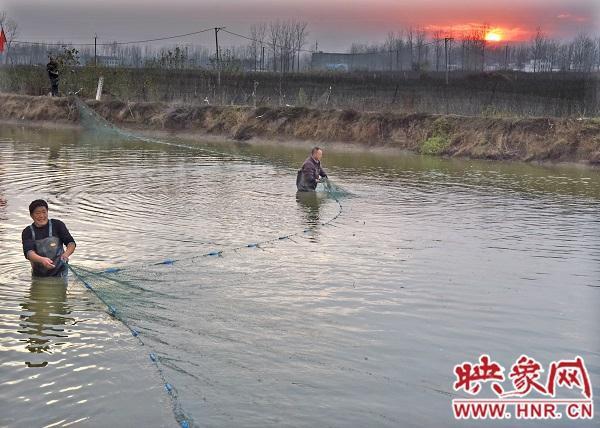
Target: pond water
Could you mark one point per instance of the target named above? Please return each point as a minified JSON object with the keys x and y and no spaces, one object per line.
{"x":356,"y":319}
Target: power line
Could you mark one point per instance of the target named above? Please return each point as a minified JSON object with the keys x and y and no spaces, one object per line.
{"x":162,"y":38}
{"x":23,"y":42}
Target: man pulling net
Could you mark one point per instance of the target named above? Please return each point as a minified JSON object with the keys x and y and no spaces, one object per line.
{"x":44,"y":241}
{"x":311,"y":172}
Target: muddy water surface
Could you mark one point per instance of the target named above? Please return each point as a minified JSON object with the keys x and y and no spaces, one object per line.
{"x":358,"y":322}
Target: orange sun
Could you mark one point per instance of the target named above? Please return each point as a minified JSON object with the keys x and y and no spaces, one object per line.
{"x":494,"y":35}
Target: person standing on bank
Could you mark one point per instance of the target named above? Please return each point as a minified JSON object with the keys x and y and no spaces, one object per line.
{"x":308,"y":175}
{"x":52,"y":68}
{"x":44,"y":241}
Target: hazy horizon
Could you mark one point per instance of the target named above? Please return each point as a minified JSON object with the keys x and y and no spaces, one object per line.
{"x":335,"y":24}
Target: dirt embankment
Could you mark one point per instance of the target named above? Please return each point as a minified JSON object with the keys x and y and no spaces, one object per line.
{"x":540,"y":139}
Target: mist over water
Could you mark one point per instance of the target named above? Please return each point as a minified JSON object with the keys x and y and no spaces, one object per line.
{"x":358,"y":322}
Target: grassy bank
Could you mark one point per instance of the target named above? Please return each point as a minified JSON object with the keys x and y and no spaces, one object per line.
{"x":501,"y":94}
{"x":535,"y":139}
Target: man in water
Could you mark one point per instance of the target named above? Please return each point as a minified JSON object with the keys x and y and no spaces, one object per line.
{"x":52,"y":68}
{"x":44,"y":241}
{"x":308,"y":175}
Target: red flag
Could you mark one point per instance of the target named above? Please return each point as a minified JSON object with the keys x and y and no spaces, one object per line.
{"x":2,"y":40}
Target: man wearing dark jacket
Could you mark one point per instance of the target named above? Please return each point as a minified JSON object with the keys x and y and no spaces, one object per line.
{"x":308,"y":175}
{"x":52,"y":68}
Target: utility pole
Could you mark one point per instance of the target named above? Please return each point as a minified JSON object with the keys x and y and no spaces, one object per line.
{"x":483,"y":55}
{"x":262,"y":59}
{"x":447,"y":55}
{"x":506,"y":57}
{"x":217,"y":55}
{"x":95,"y":56}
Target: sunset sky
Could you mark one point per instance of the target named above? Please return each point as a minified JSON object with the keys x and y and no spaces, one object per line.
{"x":335,"y":24}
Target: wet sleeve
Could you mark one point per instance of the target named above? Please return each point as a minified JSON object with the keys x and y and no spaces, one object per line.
{"x":28,"y":242}
{"x":63,"y":232}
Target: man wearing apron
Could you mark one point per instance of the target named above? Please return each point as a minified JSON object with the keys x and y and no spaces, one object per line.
{"x":43,"y":243}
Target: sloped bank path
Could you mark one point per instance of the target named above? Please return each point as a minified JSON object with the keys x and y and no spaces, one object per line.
{"x":537,"y":139}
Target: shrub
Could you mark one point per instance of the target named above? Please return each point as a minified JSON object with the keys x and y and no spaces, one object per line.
{"x":441,"y":127}
{"x":435,"y":145}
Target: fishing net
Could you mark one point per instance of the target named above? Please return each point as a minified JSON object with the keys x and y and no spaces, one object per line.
{"x":333,"y":189}
{"x":149,"y":298}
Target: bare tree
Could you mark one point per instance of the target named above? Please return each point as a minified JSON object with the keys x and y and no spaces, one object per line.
{"x":274,"y":39}
{"x":286,"y":48}
{"x":421,"y":35}
{"x":565,"y":56}
{"x":362,"y":48}
{"x":112,"y":49}
{"x":598,"y":53}
{"x":521,"y":56}
{"x":584,"y":53}
{"x":410,"y":39}
{"x":538,"y":49}
{"x":11,"y":30}
{"x":257,"y":34}
{"x":398,"y":47}
{"x":392,"y":48}
{"x":552,"y":55}
{"x":438,"y":37}
{"x":135,"y":55}
{"x":473,"y":49}
{"x":483,"y":31}
{"x":389,"y":47}
{"x":300,"y":36}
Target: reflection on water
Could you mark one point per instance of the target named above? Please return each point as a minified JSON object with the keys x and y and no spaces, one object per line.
{"x":431,"y":263}
{"x":45,"y":314}
{"x":310,"y":203}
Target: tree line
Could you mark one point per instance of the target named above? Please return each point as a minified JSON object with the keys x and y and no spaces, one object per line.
{"x":417,"y":49}
{"x":279,"y":46}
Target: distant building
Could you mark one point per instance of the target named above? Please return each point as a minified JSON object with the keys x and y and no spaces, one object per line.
{"x":17,"y":58}
{"x":494,"y":67}
{"x":107,"y":61}
{"x":337,"y":67}
{"x":538,"y":66}
{"x":375,"y":61}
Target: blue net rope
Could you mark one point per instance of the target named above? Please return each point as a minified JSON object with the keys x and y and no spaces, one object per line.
{"x":116,"y":286}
